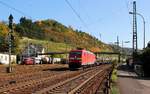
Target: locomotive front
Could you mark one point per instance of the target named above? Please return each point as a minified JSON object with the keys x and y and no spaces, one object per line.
{"x":75,"y":59}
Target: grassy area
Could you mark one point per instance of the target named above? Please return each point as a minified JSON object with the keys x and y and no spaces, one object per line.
{"x":114,"y":76}
{"x":114,"y":88}
{"x":51,"y":46}
{"x":48,"y":45}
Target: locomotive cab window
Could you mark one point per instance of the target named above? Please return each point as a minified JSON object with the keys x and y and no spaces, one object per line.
{"x":76,"y":53}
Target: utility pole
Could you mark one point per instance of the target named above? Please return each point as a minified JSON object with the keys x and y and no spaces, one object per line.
{"x":134,"y":31}
{"x":118,"y":49}
{"x":118,"y":43}
{"x":28,"y":49}
{"x":100,"y":35}
{"x":47,"y":46}
{"x":144,"y":33}
{"x":143,"y":27}
{"x":9,"y":69}
{"x":122,"y":50}
{"x":66,"y":47}
{"x":122,"y":47}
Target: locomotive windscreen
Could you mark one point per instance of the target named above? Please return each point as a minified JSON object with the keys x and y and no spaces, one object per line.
{"x":75,"y":53}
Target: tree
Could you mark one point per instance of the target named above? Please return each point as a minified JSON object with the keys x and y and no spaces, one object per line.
{"x":148,"y":45}
{"x":3,"y":37}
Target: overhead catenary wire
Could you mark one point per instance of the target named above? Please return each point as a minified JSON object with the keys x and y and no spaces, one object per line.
{"x":127,"y":3}
{"x":24,"y":14}
{"x":11,"y":7}
{"x":76,"y":13}
{"x":127,"y":6}
{"x":19,"y":11}
{"x":84,"y":10}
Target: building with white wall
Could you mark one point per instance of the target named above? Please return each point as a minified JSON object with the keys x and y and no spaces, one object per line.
{"x":4,"y":58}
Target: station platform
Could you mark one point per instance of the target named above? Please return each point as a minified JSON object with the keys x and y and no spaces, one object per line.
{"x":129,"y":83}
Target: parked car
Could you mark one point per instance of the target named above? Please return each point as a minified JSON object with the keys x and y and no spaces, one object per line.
{"x":28,"y":61}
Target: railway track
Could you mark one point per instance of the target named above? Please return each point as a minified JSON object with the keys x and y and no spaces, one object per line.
{"x":43,"y":82}
{"x":25,"y":78}
{"x":11,"y":80}
{"x":35,"y":84}
{"x":80,"y":84}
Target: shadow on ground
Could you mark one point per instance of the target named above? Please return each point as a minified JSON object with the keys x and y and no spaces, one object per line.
{"x":143,"y":78}
{"x":127,"y":76}
{"x":124,"y":69}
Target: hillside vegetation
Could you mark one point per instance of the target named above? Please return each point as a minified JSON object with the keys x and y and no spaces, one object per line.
{"x":53,"y":35}
{"x":48,"y":45}
{"x":3,"y":36}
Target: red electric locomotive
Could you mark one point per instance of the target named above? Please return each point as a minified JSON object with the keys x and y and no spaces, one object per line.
{"x":79,"y":58}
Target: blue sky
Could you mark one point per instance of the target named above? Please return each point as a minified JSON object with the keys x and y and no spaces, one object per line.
{"x":106,"y":17}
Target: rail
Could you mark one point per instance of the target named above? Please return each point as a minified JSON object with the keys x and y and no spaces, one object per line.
{"x":78,"y":83}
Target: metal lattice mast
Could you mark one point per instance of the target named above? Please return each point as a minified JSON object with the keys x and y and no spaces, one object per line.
{"x":134,"y":29}
{"x":10,"y":41}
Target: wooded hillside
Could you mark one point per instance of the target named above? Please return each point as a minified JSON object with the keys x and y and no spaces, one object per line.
{"x":51,"y":30}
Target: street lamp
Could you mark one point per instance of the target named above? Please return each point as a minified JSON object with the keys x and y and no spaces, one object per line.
{"x":123,"y":44}
{"x":143,"y":26}
{"x":123,"y":47}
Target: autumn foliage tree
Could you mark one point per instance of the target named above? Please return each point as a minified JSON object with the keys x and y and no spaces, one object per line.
{"x":3,"y":37}
{"x":52,"y":30}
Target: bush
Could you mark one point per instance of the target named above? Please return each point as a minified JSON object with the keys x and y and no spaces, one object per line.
{"x":145,"y":58}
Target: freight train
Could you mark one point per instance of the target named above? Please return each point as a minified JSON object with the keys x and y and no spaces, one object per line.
{"x":80,"y":58}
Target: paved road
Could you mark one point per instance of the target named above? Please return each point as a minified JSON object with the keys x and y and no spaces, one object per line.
{"x":129,"y":83}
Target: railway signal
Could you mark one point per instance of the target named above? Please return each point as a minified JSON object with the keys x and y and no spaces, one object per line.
{"x":9,"y":69}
